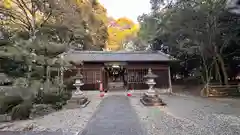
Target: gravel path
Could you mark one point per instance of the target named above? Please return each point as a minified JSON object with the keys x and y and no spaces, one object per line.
{"x":66,"y":120}
{"x":188,"y":116}
{"x":115,"y":116}
{"x":121,"y":115}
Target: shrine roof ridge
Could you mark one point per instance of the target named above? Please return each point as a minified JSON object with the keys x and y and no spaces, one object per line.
{"x":97,"y":56}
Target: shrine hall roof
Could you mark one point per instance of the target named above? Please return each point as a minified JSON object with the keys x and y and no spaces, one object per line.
{"x":119,"y":56}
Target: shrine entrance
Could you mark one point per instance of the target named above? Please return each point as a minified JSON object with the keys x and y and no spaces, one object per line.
{"x":116,"y":76}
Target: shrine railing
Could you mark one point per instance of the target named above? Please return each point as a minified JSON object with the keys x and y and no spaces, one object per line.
{"x":135,"y":78}
{"x":136,"y":75}
{"x":91,"y":75}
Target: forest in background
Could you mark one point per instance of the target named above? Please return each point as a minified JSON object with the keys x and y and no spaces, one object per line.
{"x":202,"y":34}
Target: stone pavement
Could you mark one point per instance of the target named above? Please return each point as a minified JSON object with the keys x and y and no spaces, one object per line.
{"x":115,"y":116}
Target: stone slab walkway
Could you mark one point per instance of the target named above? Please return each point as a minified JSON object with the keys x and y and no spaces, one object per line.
{"x":115,"y":116}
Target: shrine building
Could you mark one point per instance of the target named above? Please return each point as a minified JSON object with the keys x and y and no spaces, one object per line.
{"x":120,"y":70}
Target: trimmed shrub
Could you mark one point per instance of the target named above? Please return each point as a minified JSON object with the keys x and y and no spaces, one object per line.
{"x":41,"y":110}
{"x":58,"y":105}
{"x":66,"y":95}
{"x":8,"y":102}
{"x":20,"y":82}
{"x":39,"y":97}
{"x":69,"y":83}
{"x":64,"y":102}
{"x":51,"y":97}
{"x":21,"y":111}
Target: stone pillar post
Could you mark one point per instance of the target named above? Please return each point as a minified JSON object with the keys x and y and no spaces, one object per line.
{"x":169,"y":80}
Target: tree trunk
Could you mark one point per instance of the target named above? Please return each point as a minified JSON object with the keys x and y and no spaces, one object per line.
{"x":223,"y":69}
{"x":48,"y":74}
{"x":217,"y":72}
{"x":207,"y":77}
{"x":224,"y":75}
{"x":33,"y":21}
{"x":45,"y":72}
{"x":29,"y":74}
{"x":48,"y":77}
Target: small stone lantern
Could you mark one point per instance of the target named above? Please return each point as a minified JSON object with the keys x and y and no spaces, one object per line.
{"x":78,"y":83}
{"x":78,"y":96}
{"x":150,"y":98}
{"x":150,"y":82}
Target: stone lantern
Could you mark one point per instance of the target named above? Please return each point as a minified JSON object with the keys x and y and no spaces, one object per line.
{"x":78,"y":83}
{"x":78,"y":96}
{"x":150,"y":98}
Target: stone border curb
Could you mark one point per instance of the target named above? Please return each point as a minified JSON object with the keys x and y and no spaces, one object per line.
{"x":182,"y":95}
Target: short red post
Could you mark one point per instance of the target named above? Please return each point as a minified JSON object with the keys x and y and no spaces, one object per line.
{"x":101,"y":89}
{"x":101,"y":94}
{"x":129,"y":92}
{"x":100,"y":86}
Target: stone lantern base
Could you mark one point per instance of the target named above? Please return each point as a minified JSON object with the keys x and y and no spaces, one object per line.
{"x":79,"y":99}
{"x":152,"y":100}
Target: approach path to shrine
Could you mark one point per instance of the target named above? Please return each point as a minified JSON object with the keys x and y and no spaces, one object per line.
{"x":115,"y":116}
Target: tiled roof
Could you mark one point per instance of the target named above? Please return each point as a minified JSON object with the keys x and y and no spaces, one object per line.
{"x":120,"y":56}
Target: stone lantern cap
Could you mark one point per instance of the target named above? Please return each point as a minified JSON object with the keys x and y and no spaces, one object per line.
{"x":79,"y":75}
{"x":150,"y":74}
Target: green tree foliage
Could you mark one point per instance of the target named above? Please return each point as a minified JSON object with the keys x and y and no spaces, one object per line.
{"x":200,"y":33}
{"x":85,"y":19}
{"x":34,"y":35}
{"x":50,"y":28}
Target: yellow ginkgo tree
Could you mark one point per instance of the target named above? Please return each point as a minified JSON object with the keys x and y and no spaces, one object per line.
{"x":119,"y":30}
{"x":94,"y":16}
{"x":7,"y":3}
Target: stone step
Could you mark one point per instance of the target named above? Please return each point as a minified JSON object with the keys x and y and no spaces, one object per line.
{"x":82,"y":101}
{"x":116,"y":85}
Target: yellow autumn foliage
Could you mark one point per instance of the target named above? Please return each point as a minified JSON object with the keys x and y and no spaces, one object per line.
{"x":7,"y":3}
{"x":95,"y":15}
{"x":119,"y":31}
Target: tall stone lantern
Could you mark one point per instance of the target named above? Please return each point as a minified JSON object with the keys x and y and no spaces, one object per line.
{"x":150,"y":98}
{"x":78,"y":83}
{"x":77,"y":95}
